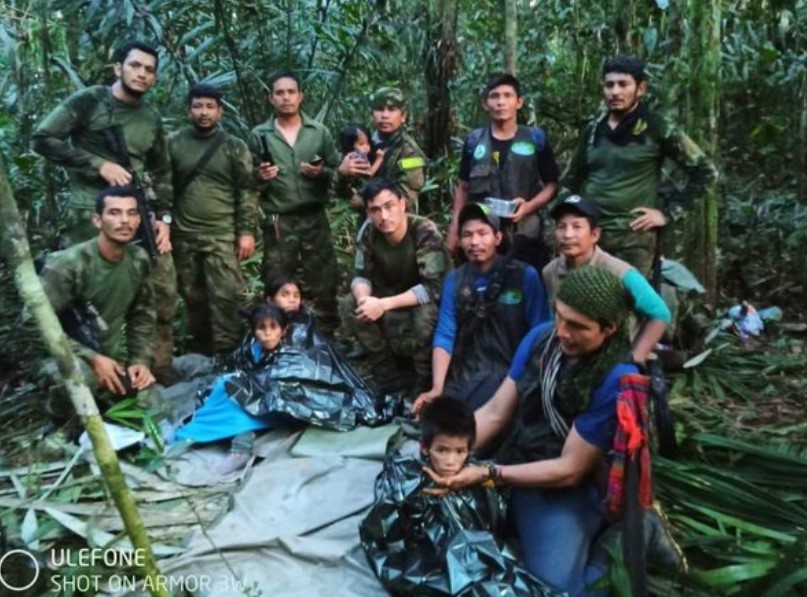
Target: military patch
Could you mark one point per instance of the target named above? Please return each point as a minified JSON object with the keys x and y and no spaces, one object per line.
{"x":639,"y":127}
{"x":511,"y":297}
{"x":479,"y":152}
{"x":411,"y":163}
{"x":523,"y":148}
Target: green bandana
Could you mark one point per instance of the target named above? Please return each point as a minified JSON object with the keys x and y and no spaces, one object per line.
{"x":599,"y":295}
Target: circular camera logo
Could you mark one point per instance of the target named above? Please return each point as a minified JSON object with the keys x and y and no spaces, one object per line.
{"x":16,"y":560}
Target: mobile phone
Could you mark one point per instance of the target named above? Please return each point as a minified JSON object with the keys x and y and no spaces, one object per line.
{"x":317,"y":160}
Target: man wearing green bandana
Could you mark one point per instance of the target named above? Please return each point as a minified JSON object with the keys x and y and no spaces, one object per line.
{"x":558,"y":403}
{"x":404,"y":161}
{"x":618,"y":165}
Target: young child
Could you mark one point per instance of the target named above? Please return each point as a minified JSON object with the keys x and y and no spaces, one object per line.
{"x":355,"y":138}
{"x":409,"y":536}
{"x":220,"y":416}
{"x":283,"y":291}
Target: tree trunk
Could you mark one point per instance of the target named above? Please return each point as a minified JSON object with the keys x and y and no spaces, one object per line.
{"x":704,"y":93}
{"x":511,"y":36}
{"x":18,"y":254}
{"x":441,"y":65}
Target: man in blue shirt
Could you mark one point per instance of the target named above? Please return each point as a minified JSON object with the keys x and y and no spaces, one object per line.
{"x":488,"y":304}
{"x":557,"y":408}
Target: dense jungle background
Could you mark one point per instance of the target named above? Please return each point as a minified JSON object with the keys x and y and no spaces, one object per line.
{"x":732,"y":72}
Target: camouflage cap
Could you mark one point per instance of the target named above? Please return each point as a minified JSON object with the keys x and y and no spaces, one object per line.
{"x":391,"y":97}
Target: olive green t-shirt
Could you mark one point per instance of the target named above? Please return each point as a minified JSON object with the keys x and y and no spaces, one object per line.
{"x":120,"y":292}
{"x":73,"y":135}
{"x":220,"y":202}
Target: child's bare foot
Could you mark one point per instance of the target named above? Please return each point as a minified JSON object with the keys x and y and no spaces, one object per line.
{"x":233,"y":462}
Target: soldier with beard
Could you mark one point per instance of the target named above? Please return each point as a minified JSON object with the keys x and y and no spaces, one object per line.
{"x":78,"y":135}
{"x":618,"y":165}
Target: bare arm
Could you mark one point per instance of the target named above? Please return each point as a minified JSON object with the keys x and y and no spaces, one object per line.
{"x":441,"y":361}
{"x":577,"y":460}
{"x":492,"y":418}
{"x":646,"y":340}
{"x":460,"y":199}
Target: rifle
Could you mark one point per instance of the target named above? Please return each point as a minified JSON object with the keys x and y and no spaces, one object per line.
{"x":659,"y":404}
{"x":146,"y":236}
{"x":84,"y":324}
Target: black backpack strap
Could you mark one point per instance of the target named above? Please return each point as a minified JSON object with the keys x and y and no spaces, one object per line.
{"x":203,"y":161}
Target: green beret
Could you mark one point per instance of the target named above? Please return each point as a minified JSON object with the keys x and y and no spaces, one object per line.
{"x":596,"y":293}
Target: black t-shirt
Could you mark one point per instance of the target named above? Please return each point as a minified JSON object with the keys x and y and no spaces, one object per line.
{"x":500,"y":151}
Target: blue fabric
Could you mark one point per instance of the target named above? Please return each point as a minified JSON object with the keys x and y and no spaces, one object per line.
{"x":535,"y":304}
{"x":597,"y":423}
{"x":648,"y":302}
{"x":524,"y":350}
{"x":220,"y":418}
{"x":556,"y":528}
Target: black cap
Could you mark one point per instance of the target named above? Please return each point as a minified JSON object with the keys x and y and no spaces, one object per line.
{"x":575,"y":204}
{"x":479,"y":211}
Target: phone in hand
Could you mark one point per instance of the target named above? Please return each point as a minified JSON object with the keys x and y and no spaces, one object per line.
{"x":317,"y":160}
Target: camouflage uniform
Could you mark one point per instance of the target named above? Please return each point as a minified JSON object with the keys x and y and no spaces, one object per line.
{"x":74,"y":136}
{"x":296,"y":232}
{"x":120,"y":292}
{"x":419,"y":264}
{"x":215,"y":208}
{"x":404,"y":161}
{"x":619,"y":169}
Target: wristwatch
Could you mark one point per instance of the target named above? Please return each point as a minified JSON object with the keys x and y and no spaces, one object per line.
{"x":166,"y":219}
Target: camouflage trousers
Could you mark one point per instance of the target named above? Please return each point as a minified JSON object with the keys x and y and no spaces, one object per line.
{"x":78,"y":228}
{"x":637,"y":248}
{"x":300,"y":245}
{"x":210,"y":282}
{"x":401,"y":333}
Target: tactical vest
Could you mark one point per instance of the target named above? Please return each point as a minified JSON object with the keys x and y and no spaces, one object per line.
{"x":491,"y":325}
{"x":517,"y":177}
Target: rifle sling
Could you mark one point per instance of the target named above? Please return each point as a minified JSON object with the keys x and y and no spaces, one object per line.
{"x":197,"y":169}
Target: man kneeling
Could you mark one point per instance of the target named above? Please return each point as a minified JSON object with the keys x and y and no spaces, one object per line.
{"x":392,"y":308}
{"x":105,"y":280}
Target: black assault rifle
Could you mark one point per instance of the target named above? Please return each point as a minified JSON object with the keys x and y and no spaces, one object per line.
{"x":146,"y":236}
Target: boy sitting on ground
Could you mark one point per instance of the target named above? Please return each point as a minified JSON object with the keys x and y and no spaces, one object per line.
{"x":412,"y":539}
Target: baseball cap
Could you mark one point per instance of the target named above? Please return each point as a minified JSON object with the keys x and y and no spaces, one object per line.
{"x":479,"y":211}
{"x":577,"y":205}
{"x":391,"y":97}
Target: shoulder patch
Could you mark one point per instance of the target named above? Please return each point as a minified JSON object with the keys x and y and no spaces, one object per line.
{"x":523,"y":148}
{"x":412,"y":162}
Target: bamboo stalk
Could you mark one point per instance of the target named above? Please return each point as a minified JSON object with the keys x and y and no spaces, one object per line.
{"x":18,"y":253}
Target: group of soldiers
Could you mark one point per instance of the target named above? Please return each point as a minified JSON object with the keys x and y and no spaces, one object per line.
{"x":210,"y":194}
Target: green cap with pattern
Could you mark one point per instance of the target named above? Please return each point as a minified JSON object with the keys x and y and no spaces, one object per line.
{"x":389,"y":97}
{"x":596,"y":293}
